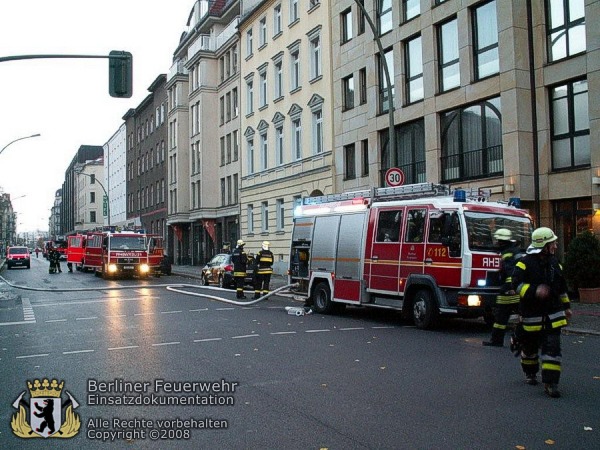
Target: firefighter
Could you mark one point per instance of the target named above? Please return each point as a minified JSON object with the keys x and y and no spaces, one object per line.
{"x":507,"y":301}
{"x":240,"y":262}
{"x":545,"y":309}
{"x":263,"y":268}
{"x":54,"y":258}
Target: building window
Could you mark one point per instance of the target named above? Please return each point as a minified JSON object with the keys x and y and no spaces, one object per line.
{"x":228,"y":146}
{"x":222,"y":191}
{"x":92,"y":179}
{"x":384,"y":16}
{"x":449,"y":69}
{"x":234,"y":100}
{"x":315,"y":57}
{"x":249,"y":97}
{"x":410,"y":9}
{"x":278,"y":79}
{"x":229,"y":193}
{"x":414,"y":70}
{"x":279,"y":145}
{"x":293,"y":10}
{"x":317,"y":132}
{"x":280,"y":214}
{"x":362,"y":85}
{"x":249,"y":43}
{"x":250,"y":215}
{"x":346,"y":25}
{"x":360,"y":19}
{"x":263,"y":88}
{"x":384,"y":101}
{"x":92,"y":216}
{"x":222,"y":140}
{"x":296,"y":139}
{"x":262,"y":25}
{"x":264,"y":151}
{"x":485,"y":40}
{"x":349,"y":162}
{"x":472,"y":142}
{"x":348,"y":92}
{"x":235,"y":146}
{"x":411,"y":160}
{"x":250,"y":156}
{"x":235,"y":188}
{"x":570,"y":125}
{"x":92,"y":197}
{"x":277,"y":20}
{"x":565,"y":28}
{"x":295,"y":75}
{"x":227,"y":109}
{"x":364,"y":157}
{"x":264,"y":213}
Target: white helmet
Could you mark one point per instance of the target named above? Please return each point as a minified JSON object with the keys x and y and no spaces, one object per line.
{"x":265,"y":245}
{"x":240,"y":243}
{"x":503,"y":234}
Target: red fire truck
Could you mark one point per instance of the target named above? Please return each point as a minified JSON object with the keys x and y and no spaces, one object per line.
{"x":76,"y":250}
{"x":422,"y":249}
{"x":111,"y":254}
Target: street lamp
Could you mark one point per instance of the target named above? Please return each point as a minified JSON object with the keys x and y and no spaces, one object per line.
{"x":105,"y":194}
{"x":19,"y":139}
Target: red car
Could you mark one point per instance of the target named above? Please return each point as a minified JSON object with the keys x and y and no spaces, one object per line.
{"x":18,"y":256}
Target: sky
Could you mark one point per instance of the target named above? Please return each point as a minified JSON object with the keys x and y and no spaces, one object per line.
{"x":66,"y":101}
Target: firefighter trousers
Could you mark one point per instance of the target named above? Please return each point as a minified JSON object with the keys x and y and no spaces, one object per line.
{"x":502,"y":313}
{"x":239,"y":287}
{"x":261,"y":285}
{"x":548,"y":341}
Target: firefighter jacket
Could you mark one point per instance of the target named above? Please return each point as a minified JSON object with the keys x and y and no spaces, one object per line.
{"x":264,"y":262}
{"x":510,"y":253}
{"x":239,"y":258}
{"x":537,"y":314}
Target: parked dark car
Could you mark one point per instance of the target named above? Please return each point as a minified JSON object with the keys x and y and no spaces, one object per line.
{"x":219,"y":271}
{"x":166,"y":265}
{"x":18,"y":256}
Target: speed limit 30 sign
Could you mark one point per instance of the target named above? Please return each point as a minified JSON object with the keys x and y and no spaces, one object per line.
{"x":394,"y":177}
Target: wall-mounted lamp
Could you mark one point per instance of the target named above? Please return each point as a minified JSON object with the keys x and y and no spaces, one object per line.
{"x":509,"y":188}
{"x":596,"y":181}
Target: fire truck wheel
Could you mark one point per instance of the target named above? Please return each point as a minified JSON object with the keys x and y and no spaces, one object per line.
{"x":425,"y":312}
{"x":97,"y":273}
{"x":322,"y":299}
{"x":205,"y":281}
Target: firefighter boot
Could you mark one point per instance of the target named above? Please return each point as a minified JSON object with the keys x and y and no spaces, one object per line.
{"x":256,"y":295}
{"x":531,"y":378}
{"x":551,"y":389}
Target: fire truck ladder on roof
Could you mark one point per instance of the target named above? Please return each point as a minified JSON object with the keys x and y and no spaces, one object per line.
{"x":384,"y":193}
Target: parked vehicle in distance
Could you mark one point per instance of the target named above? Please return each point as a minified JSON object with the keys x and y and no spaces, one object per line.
{"x":18,"y":256}
{"x":219,"y":271}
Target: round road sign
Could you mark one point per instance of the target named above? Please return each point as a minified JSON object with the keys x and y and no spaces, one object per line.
{"x":394,"y":177}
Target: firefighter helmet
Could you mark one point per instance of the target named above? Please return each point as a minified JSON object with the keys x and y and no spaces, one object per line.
{"x":240,"y":243}
{"x":503,"y":234}
{"x":265,"y":245}
{"x":542,"y":236}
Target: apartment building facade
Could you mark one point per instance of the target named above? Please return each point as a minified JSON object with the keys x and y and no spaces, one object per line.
{"x":115,"y":177}
{"x":203,"y":91}
{"x":287,"y":121}
{"x":486,"y":93}
{"x":146,"y":165}
{"x":89,"y":195}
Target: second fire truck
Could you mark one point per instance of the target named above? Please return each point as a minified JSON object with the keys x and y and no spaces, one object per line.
{"x":420,"y":249}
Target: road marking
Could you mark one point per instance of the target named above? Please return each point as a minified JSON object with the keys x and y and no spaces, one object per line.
{"x":315,"y":331}
{"x":224,"y":309}
{"x":351,"y":329}
{"x":116,"y":315}
{"x":245,"y":336}
{"x":166,"y":343}
{"x":283,"y":332}
{"x":144,"y":314}
{"x":201,"y":309}
{"x":23,"y":322}
{"x":56,"y":320}
{"x":28,"y":311}
{"x":32,"y":356}
{"x":208,"y":340}
{"x":84,"y":302}
{"x":383,"y":328}
{"x":86,"y":318}
{"x":123,"y":348}
{"x":170,"y":312}
{"x":77,"y":351}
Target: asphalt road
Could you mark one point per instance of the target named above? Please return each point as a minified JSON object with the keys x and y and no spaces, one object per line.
{"x":361,"y":380}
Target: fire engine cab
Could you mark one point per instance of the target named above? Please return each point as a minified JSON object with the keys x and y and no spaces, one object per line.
{"x":111,"y":254}
{"x":422,"y":249}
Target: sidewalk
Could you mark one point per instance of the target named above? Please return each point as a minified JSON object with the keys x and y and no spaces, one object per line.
{"x":585,"y":319}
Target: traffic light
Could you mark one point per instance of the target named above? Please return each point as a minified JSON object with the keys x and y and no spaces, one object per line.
{"x":120,"y":66}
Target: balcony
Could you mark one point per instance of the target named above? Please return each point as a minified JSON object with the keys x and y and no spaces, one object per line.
{"x":178,"y":68}
{"x":203,"y":43}
{"x":482,"y":163}
{"x":229,"y":31}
